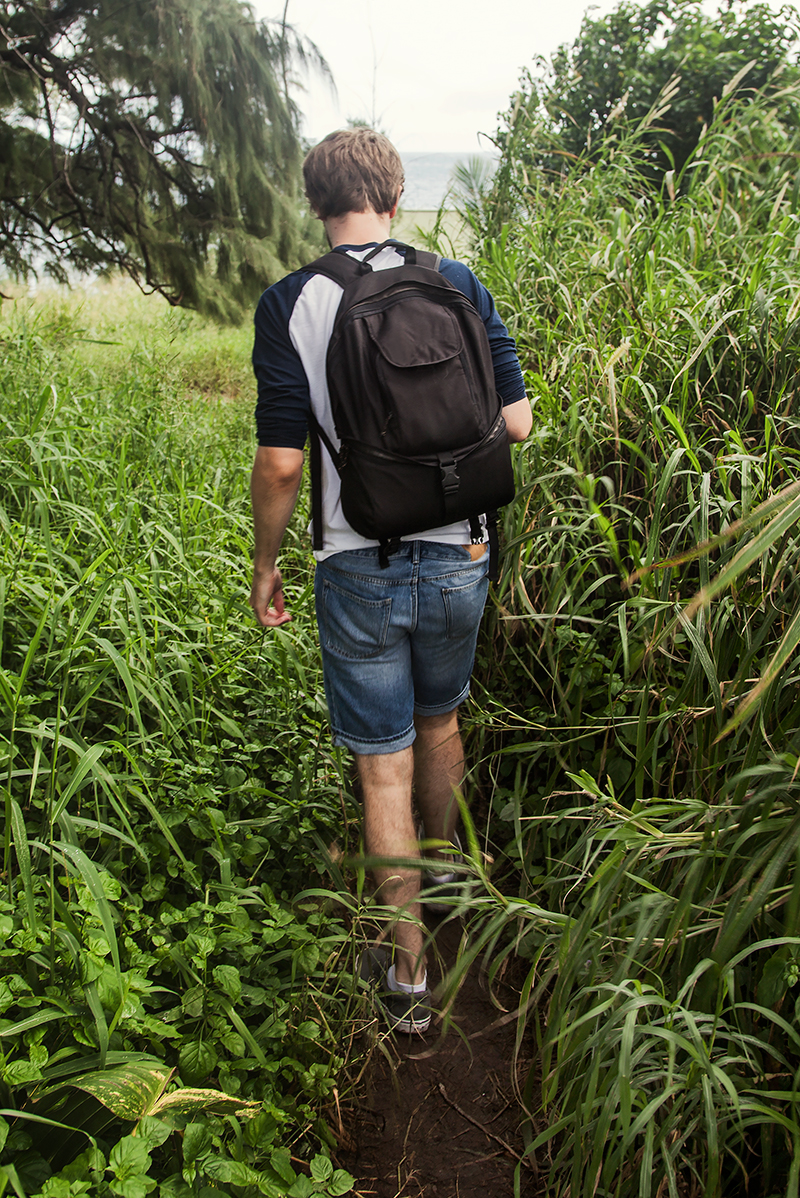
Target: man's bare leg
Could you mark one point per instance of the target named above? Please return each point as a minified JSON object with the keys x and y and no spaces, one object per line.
{"x":438,"y":772}
{"x":386,"y":780}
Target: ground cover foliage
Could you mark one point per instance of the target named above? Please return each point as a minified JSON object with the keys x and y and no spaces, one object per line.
{"x":651,"y":808}
{"x":169,"y":1009}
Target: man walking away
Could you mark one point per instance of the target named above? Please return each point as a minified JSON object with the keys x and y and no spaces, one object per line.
{"x":397,"y":633}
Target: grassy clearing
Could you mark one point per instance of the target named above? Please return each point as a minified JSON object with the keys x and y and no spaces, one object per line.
{"x":167,"y":784}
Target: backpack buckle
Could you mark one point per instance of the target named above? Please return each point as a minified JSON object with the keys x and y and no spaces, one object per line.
{"x":450,"y":479}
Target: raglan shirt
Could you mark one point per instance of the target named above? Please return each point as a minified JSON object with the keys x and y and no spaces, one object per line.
{"x":293,"y":325}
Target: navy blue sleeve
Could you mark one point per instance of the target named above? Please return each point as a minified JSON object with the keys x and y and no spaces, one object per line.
{"x":284,"y":401}
{"x":507,"y":373}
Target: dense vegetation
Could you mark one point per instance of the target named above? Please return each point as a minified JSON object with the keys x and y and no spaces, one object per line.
{"x":175,"y":1000}
{"x":168,"y":790}
{"x":620,"y":64}
{"x":647,"y":782}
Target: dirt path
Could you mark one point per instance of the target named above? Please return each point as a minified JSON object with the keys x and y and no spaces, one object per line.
{"x":440,"y":1119}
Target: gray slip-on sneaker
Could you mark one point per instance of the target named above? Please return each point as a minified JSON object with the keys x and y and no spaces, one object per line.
{"x":403,"y":1012}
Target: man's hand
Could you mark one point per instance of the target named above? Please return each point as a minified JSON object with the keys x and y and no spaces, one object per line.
{"x":268,"y":589}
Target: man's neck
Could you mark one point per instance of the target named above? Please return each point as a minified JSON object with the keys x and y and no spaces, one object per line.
{"x":358,"y":228}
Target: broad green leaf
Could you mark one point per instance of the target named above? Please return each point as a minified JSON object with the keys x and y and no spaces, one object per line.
{"x":233,"y":1043}
{"x":21,"y":1073}
{"x":152,"y":1131}
{"x":772,"y":985}
{"x":306,"y":957}
{"x":130,"y":1091}
{"x":236,"y":1173}
{"x":136,"y":1186}
{"x":321,"y":1168}
{"x":196,"y":1060}
{"x":129,"y":1157}
{"x":342,"y":1182}
{"x":61,"y":1187}
{"x":280,"y":1160}
{"x":174,"y":1187}
{"x":302,"y":1188}
{"x":228,"y":979}
{"x":186,"y":1100}
{"x":197,"y":1141}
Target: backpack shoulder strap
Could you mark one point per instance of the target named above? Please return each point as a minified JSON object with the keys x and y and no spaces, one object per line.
{"x":426,"y":258}
{"x":339,"y":267}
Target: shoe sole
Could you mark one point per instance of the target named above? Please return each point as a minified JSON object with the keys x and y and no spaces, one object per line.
{"x":409,"y":1026}
{"x":414,"y":1021}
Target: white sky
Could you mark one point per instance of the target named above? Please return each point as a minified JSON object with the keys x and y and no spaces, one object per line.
{"x":432,"y":73}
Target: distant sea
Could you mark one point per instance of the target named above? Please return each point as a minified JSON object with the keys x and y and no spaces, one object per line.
{"x":428,"y":177}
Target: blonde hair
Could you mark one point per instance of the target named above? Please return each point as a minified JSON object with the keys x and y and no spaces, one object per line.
{"x":353,"y":170}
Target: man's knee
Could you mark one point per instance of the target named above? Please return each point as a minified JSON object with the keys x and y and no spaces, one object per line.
{"x":434,"y":730}
{"x":435,"y":723}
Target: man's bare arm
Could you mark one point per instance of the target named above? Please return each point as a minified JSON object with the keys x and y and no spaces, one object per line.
{"x":274,"y":484}
{"x":518,"y":418}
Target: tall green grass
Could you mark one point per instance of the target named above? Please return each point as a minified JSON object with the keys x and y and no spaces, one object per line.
{"x":166,"y":783}
{"x":655,"y":832}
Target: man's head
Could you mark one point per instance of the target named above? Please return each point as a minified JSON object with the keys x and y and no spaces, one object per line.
{"x":353,"y":170}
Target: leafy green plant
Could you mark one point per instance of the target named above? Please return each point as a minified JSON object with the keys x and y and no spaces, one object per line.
{"x":165,"y":782}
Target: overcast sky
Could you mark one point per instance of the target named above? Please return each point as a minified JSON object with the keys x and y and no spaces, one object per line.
{"x":433,"y":73}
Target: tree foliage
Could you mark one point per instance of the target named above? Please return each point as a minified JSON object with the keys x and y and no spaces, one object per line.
{"x":620,"y":64}
{"x":152,"y":136}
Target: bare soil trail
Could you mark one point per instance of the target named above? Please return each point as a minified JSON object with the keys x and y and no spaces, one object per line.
{"x":440,"y":1118}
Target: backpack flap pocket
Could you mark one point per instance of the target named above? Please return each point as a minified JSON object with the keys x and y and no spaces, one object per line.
{"x":421,"y":378}
{"x":419,"y":334}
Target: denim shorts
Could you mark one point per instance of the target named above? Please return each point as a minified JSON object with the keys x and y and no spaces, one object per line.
{"x":397,"y":641}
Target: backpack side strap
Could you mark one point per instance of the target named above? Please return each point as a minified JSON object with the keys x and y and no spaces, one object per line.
{"x":316,"y":435}
{"x":494,"y":547}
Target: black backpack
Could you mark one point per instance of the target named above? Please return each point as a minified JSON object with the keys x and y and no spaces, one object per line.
{"x":411,"y":382}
